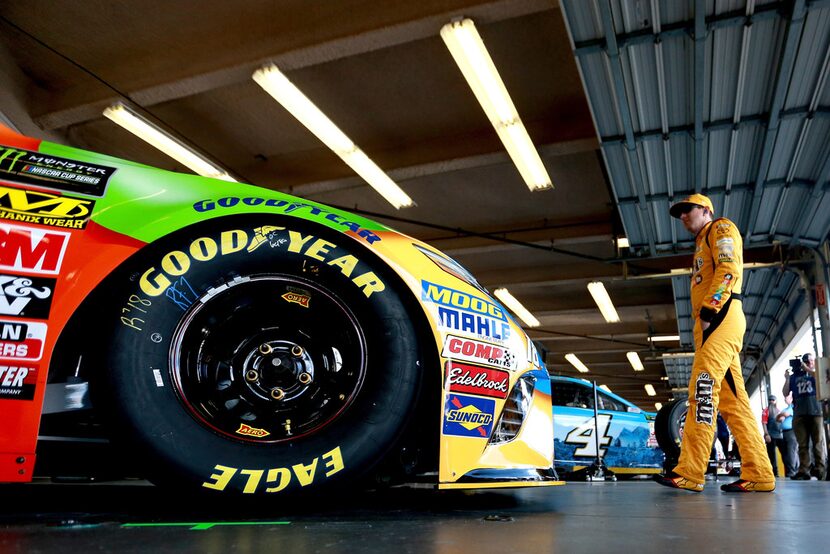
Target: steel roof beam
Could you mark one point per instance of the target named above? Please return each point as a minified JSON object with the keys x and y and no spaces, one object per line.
{"x":699,"y":90}
{"x":782,"y":79}
{"x":773,"y":183}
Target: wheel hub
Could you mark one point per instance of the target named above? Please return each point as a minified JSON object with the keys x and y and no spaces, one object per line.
{"x":278,"y":370}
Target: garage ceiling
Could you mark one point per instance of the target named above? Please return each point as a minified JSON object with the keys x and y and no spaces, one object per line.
{"x":619,"y":138}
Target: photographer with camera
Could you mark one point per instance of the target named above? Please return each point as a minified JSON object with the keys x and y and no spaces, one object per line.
{"x":808,"y":423}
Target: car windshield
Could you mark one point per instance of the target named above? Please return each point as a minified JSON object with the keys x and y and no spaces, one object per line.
{"x":574,"y":395}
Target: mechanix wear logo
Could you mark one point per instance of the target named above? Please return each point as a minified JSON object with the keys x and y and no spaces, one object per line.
{"x":34,"y":168}
{"x":43,"y":208}
{"x":705,"y":412}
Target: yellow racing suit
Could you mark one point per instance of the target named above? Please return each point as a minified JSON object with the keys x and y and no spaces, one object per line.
{"x":716,"y":383}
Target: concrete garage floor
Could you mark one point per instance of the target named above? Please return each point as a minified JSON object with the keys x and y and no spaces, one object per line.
{"x":634,"y":516}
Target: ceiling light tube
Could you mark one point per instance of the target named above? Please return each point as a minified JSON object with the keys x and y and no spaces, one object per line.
{"x":155,"y":136}
{"x":516,"y":307}
{"x":577,"y":363}
{"x":664,"y":338}
{"x":292,"y":99}
{"x":622,"y":242}
{"x":471,"y":56}
{"x":658,"y":406}
{"x":634,"y":360}
{"x":650,"y":390}
{"x":597,"y":290}
{"x":605,"y":388}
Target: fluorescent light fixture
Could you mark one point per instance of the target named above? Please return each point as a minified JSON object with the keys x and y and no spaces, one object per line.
{"x":650,"y":390}
{"x":622,"y":242}
{"x":677,"y":355}
{"x":471,"y":56}
{"x":605,"y":387}
{"x":664,"y":338}
{"x":664,"y":378}
{"x":634,"y":360}
{"x":292,"y":99}
{"x":597,"y":290}
{"x":150,"y":133}
{"x":516,"y":307}
{"x":658,"y":406}
{"x":582,"y":368}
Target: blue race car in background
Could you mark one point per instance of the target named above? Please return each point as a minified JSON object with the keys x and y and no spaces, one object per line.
{"x":627,"y":442}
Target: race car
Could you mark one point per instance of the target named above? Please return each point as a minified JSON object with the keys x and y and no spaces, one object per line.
{"x":621,"y":436}
{"x":230,"y":339}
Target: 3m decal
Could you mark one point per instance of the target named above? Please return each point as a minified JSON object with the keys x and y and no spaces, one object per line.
{"x":286,"y":207}
{"x":584,"y":435}
{"x":26,"y":296}
{"x":31,"y":250}
{"x":248,"y":431}
{"x":176,"y":263}
{"x":482,"y":326}
{"x":483,"y":381}
{"x":468,"y":416}
{"x":471,"y":350}
{"x":297,"y":298}
{"x":445,"y":296}
{"x":704,"y":412}
{"x":278,"y":478}
{"x":28,"y":206}
{"x":33,"y":168}
{"x":22,"y":341}
{"x":17,"y":382}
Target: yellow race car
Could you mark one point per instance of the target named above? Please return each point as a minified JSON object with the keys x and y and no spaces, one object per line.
{"x":231,"y":339}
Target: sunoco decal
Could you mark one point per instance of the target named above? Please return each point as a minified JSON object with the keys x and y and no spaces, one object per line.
{"x":43,"y":208}
{"x":31,"y":250}
{"x":286,"y":207}
{"x":468,"y":416}
{"x":33,"y":168}
{"x":483,"y":381}
{"x":26,"y":296}
{"x":17,"y":382}
{"x":22,"y":341}
{"x":471,"y":350}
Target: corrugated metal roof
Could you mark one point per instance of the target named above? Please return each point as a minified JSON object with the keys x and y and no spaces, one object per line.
{"x":729,"y":98}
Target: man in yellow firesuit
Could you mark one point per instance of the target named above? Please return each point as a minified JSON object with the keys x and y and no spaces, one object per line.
{"x":716,"y":383}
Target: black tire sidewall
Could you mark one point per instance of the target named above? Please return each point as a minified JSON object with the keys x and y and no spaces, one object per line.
{"x":667,"y":429}
{"x":152,"y":423}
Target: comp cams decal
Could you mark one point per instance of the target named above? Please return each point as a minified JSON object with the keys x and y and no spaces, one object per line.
{"x":17,"y":382}
{"x":34,"y":168}
{"x":22,"y":341}
{"x":287,"y":207}
{"x":26,"y":296}
{"x":471,"y":350}
{"x":31,"y":250}
{"x":468,"y":416}
{"x":483,"y":381}
{"x":278,"y":478}
{"x":43,"y":208}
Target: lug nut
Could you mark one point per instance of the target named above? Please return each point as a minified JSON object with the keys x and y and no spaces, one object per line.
{"x":251,"y":375}
{"x":277,"y":394}
{"x":297,"y":350}
{"x":305,"y":378}
{"x":265,"y":348}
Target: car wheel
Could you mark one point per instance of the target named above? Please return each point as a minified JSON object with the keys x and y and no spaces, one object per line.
{"x":668,"y":427}
{"x":259,"y":357}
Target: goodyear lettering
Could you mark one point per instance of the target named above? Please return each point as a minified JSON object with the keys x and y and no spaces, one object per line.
{"x":44,"y":208}
{"x":156,"y":280}
{"x":277,"y":479}
{"x":34,"y":250}
{"x":452,"y":298}
{"x":287,"y":207}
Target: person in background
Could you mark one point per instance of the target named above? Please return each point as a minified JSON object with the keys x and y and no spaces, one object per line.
{"x":773,"y":434}
{"x":808,"y":422}
{"x":791,"y":460}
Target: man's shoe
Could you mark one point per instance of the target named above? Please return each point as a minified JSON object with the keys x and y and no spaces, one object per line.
{"x":742,"y":485}
{"x":676,"y":481}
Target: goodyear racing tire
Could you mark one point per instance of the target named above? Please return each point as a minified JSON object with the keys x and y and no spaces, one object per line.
{"x":259,"y":355}
{"x":668,"y":427}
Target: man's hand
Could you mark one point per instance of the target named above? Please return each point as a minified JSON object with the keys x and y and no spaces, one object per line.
{"x":767,"y":438}
{"x":704,"y":325}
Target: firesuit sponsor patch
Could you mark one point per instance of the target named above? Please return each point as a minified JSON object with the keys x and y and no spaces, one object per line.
{"x":483,"y":381}
{"x":468,"y":416}
{"x":704,"y":412}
